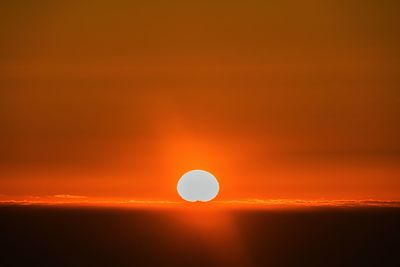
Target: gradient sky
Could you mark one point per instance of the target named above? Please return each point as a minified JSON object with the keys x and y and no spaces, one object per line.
{"x":278,"y":99}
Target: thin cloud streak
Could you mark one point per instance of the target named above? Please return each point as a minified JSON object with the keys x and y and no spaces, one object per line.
{"x":68,"y":199}
{"x":314,"y":203}
{"x":69,"y":196}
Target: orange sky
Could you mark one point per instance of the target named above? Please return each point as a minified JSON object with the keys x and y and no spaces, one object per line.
{"x":290,"y":99}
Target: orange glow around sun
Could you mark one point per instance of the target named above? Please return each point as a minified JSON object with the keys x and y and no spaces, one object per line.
{"x":112,"y":110}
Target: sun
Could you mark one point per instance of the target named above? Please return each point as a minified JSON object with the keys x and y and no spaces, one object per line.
{"x":198,"y":185}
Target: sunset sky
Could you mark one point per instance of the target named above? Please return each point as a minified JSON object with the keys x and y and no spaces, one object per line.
{"x":278,"y":99}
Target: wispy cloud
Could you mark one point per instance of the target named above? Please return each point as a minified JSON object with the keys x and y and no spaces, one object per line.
{"x":315,"y":203}
{"x":151,"y":202}
{"x":68,"y":199}
{"x":70,"y":196}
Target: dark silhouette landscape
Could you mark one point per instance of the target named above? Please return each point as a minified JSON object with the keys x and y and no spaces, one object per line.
{"x":95,"y":236}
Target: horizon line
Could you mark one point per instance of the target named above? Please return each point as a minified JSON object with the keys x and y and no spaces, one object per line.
{"x":75,"y":200}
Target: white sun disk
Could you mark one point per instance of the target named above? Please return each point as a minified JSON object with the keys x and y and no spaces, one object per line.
{"x":198,"y":185}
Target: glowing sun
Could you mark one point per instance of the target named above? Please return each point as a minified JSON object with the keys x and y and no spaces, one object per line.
{"x":198,"y":185}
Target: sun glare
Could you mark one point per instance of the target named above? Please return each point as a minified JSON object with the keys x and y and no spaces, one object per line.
{"x":198,"y":185}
